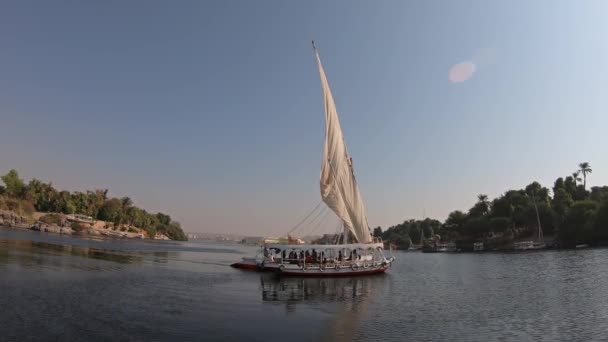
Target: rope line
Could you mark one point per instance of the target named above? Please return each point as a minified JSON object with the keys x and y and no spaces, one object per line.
{"x":319,"y":224}
{"x":305,"y":217}
{"x":319,"y":214}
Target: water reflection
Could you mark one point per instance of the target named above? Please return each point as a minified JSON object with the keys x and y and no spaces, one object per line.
{"x":350,"y":298}
{"x":293,"y":290}
{"x":25,"y":253}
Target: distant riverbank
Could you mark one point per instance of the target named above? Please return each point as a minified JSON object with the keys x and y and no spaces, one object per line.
{"x":567,"y":215}
{"x":62,"y":224}
{"x":40,"y":206}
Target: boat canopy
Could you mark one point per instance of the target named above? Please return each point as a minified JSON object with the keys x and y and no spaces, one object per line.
{"x":351,"y":246}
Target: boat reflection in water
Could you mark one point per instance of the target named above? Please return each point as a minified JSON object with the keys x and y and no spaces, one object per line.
{"x":293,"y":290}
{"x":351,"y":297}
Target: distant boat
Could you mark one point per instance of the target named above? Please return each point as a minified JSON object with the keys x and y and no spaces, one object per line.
{"x":436,"y":247}
{"x":583,"y":245}
{"x":532,"y":245}
{"x":478,"y":247}
{"x":528,"y":245}
{"x":356,"y":251}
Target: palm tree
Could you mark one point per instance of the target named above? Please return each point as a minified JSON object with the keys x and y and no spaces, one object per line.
{"x":126,"y":202}
{"x":585,"y":168}
{"x":575,"y":176}
{"x":483,"y":203}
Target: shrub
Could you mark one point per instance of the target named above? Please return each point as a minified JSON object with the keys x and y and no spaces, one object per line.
{"x":51,"y":219}
{"x":28,"y":208}
{"x":77,"y":227}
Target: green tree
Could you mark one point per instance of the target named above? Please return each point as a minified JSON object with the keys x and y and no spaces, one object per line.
{"x":14,"y":184}
{"x":578,"y":225}
{"x":378,"y":232}
{"x":37,"y":193}
{"x":577,"y":192}
{"x":599,"y":193}
{"x":454,"y":224}
{"x":482,"y":207}
{"x":538,"y":193}
{"x":126,"y":202}
{"x":62,"y":203}
{"x":575,"y":176}
{"x":80,"y":201}
{"x":134,"y":216}
{"x":163,"y":219}
{"x":174,"y":231}
{"x":600,"y":225}
{"x":111,"y":211}
{"x":95,"y":201}
{"x":514,"y":204}
{"x":562,"y":200}
{"x":585,"y":168}
{"x":476,"y":227}
{"x":500,"y":224}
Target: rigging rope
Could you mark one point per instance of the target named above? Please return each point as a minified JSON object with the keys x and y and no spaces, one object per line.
{"x":319,"y":224}
{"x":319,"y":214}
{"x":305,"y":217}
{"x":339,"y":230}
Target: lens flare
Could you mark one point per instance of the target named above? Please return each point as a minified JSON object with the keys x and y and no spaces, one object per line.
{"x":461,"y":72}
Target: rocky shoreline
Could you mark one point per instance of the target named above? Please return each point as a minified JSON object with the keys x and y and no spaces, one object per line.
{"x":99,"y":228}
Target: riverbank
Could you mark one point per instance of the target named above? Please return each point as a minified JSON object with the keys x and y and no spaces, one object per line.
{"x":63,"y":224}
{"x":90,"y":207}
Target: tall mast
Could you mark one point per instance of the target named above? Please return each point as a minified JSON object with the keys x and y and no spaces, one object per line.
{"x":540,"y":229}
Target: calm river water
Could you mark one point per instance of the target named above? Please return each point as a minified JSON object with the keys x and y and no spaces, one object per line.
{"x":62,"y":288}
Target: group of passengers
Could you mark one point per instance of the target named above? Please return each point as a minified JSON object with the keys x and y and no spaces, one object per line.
{"x":314,"y":257}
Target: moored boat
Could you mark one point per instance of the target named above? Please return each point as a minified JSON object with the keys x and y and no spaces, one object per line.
{"x":532,"y":245}
{"x":478,"y":247}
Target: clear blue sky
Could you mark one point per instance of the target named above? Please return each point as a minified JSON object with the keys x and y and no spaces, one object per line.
{"x":211,"y":111}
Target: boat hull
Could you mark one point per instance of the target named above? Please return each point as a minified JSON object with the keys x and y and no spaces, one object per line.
{"x":244,"y":266}
{"x":251,"y":264}
{"x":332,"y":272}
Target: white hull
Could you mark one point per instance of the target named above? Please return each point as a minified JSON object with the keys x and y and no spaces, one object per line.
{"x":326,"y":260}
{"x":528,"y":245}
{"x":335,"y":270}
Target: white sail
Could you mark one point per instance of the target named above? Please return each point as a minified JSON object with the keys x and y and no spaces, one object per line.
{"x":339,"y":188}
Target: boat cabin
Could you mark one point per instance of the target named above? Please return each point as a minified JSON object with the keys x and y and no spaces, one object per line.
{"x":316,"y":255}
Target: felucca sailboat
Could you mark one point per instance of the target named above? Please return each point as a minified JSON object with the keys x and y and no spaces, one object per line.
{"x":356,"y":251}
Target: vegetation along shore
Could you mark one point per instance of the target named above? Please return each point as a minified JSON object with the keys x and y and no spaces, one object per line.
{"x":569,"y":212}
{"x":38,"y":205}
{"x":570,"y":215}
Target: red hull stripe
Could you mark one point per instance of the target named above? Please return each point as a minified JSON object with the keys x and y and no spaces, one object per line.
{"x":244,"y":266}
{"x":332,"y":274}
